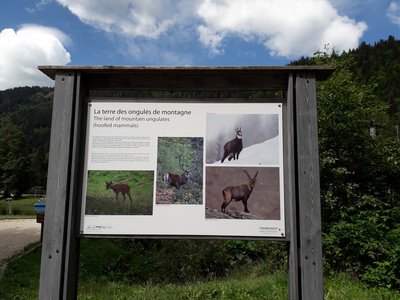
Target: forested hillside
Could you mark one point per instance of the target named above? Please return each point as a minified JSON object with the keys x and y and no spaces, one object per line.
{"x":25,"y":119}
{"x":377,"y":66}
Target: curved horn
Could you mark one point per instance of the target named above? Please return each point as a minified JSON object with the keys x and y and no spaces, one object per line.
{"x":248,"y":175}
{"x":255,"y":176}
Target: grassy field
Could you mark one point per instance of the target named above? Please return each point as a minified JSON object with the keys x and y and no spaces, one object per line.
{"x":21,"y":208}
{"x":21,"y":281}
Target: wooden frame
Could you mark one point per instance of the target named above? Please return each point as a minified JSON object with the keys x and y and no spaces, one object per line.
{"x":60,"y":252}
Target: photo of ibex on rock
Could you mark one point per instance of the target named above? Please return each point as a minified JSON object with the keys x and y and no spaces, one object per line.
{"x":233,"y":147}
{"x":239,"y":192}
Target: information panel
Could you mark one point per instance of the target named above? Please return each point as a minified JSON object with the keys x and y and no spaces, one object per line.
{"x":183,"y":169}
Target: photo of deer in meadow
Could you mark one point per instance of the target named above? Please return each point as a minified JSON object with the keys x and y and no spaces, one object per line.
{"x":242,"y":139}
{"x":235,"y":191}
{"x":179,"y":170}
{"x":119,"y":193}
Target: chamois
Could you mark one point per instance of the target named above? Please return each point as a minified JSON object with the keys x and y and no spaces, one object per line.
{"x":233,"y":147}
{"x":239,"y":192}
{"x":122,"y":188}
{"x":177,"y":180}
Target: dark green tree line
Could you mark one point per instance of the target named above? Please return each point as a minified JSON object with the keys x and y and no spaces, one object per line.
{"x":25,"y":119}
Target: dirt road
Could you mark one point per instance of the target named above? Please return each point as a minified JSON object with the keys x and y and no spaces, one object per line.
{"x":15,"y":234}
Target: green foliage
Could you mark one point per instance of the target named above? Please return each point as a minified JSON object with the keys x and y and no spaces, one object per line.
{"x":379,"y":66}
{"x":13,"y":156}
{"x":386,"y":272}
{"x":25,"y":117}
{"x":360,"y":175}
{"x":21,"y":281}
{"x":342,"y":286}
{"x":173,"y":261}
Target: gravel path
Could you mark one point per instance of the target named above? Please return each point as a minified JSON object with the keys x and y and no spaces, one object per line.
{"x":15,"y":234}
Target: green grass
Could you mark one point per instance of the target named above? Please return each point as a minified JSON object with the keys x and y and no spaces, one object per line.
{"x":21,"y":281}
{"x":237,"y":287}
{"x":21,"y":208}
{"x":341,"y":286}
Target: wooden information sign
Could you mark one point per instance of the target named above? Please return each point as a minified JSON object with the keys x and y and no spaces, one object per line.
{"x":140,"y":167}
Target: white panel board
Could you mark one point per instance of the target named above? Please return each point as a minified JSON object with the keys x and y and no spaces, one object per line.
{"x":137,"y":149}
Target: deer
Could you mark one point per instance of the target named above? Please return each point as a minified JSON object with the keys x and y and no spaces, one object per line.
{"x":239,"y":192}
{"x":177,"y":180}
{"x":122,"y":188}
{"x":233,"y":147}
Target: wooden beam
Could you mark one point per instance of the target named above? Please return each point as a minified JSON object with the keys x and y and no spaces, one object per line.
{"x":186,"y":78}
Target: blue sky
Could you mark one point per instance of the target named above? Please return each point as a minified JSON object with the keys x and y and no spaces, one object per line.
{"x":180,"y":32}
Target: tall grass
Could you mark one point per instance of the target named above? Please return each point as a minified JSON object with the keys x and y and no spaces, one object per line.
{"x":253,"y":281}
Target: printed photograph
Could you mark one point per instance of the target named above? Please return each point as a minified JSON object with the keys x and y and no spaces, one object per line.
{"x":119,"y":193}
{"x":242,"y":193}
{"x":179,"y":170}
{"x":242,"y":139}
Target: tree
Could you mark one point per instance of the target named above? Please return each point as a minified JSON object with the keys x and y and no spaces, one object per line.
{"x":359,"y":176}
{"x":13,"y":157}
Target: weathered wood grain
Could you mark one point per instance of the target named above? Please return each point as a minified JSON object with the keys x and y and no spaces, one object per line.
{"x":290,"y":190}
{"x":54,"y":246}
{"x":308,"y":188}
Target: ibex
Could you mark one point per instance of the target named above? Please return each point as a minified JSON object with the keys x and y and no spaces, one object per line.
{"x":239,"y":192}
{"x":122,"y":188}
{"x":233,"y":147}
{"x":177,"y":180}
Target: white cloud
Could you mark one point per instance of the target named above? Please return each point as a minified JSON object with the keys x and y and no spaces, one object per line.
{"x":23,"y":50}
{"x":287,"y":28}
{"x":393,"y":12}
{"x":38,"y":6}
{"x":134,"y":18}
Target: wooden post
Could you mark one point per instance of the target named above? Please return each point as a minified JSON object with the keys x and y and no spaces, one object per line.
{"x":308,"y":189}
{"x":290,"y":192}
{"x":59,"y":240}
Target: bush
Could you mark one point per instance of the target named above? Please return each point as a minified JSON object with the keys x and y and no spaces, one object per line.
{"x":360,"y":178}
{"x":173,"y":261}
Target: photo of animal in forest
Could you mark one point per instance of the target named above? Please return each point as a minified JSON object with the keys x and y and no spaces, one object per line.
{"x":119,"y":193}
{"x":242,"y":139}
{"x":179,"y":170}
{"x":243,"y":192}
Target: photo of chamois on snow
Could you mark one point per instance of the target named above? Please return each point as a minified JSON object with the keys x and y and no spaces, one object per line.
{"x":242,"y":139}
{"x":242,"y":193}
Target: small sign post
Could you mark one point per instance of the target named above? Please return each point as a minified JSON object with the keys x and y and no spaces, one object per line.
{"x":206,"y":153}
